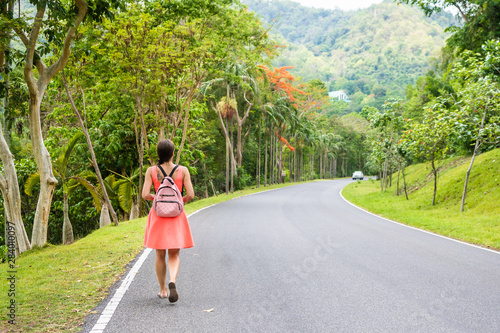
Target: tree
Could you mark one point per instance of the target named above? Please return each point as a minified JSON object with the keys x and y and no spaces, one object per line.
{"x":12,"y":198}
{"x":238,"y":81}
{"x":478,"y":101}
{"x":429,"y":139}
{"x":48,"y":21}
{"x":107,"y":203}
{"x":9,"y":185}
{"x":126,"y":189}
{"x":389,"y":124}
{"x":60,"y":169}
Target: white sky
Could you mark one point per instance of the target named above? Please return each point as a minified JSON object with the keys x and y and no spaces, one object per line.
{"x":342,"y":4}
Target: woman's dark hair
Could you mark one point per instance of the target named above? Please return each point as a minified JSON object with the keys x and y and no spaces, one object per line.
{"x":165,"y":151}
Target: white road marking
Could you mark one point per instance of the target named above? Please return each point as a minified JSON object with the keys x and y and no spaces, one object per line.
{"x":414,"y":228}
{"x":117,"y":297}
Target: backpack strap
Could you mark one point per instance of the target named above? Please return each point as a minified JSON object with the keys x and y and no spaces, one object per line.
{"x":169,"y":178}
{"x":173,"y":170}
{"x":162,"y":171}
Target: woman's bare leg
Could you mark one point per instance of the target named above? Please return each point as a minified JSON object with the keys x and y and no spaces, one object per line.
{"x":173,"y":263}
{"x":161,"y":271}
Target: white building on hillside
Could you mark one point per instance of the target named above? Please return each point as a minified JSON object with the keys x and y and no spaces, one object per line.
{"x":339,"y":95}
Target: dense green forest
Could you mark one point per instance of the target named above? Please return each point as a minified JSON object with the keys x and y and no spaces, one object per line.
{"x":94,"y":85}
{"x":378,"y":50}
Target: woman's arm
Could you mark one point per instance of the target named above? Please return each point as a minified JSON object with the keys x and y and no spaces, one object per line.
{"x":146,"y":189}
{"x":186,"y":179}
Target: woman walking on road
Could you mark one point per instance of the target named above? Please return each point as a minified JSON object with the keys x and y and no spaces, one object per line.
{"x":167,"y":233}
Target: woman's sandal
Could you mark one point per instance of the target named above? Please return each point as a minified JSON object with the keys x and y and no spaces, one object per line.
{"x":173,"y":296}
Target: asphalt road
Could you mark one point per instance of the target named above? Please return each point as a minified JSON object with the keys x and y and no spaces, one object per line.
{"x":301,"y":259}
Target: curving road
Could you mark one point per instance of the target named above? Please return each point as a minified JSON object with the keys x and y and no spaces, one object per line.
{"x":301,"y":259}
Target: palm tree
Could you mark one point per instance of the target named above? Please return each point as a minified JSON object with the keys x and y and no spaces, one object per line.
{"x":86,"y":179}
{"x":60,"y":170}
{"x":237,"y":82}
{"x":126,"y":190}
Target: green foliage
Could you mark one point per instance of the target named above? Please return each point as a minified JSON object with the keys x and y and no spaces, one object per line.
{"x":481,"y":21}
{"x":426,"y":89}
{"x":94,"y":192}
{"x":386,"y":46}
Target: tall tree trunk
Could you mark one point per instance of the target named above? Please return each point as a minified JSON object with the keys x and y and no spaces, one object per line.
{"x":330,"y":167}
{"x":239,"y":130}
{"x":325,"y":163}
{"x":92,"y":153}
{"x":9,"y":187}
{"x":275,"y":160}
{"x":227,"y":162}
{"x":404,"y":184}
{"x":312,"y":166}
{"x":281,"y":162}
{"x":277,"y":176}
{"x":476,"y":149}
{"x":67,"y":236}
{"x":184,"y":131}
{"x":290,"y":170}
{"x":5,"y":61}
{"x":342,"y":166}
{"x":139,"y":141}
{"x":134,"y":212}
{"x":232,"y":158}
{"x":391,"y":171}
{"x":434,"y":171}
{"x":160,"y":116}
{"x":384,"y":174}
{"x":295,"y":161}
{"x":271,"y":158}
{"x":104,"y":219}
{"x":265,"y":165}
{"x":397,"y":185}
{"x":47,"y":180}
{"x":279,"y":154}
{"x":36,"y":91}
{"x":208,"y":177}
{"x":257,"y":178}
{"x":146,"y":141}
{"x":335,"y":168}
{"x":467,"y":174}
{"x":381,"y":179}
{"x":229,"y":147}
{"x":300,"y":165}
{"x":308,"y":166}
{"x":321,"y":160}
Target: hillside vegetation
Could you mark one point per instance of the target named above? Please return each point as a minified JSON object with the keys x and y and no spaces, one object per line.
{"x":386,"y":46}
{"x":478,"y":224}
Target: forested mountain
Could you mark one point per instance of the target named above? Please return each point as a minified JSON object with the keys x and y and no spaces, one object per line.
{"x":382,"y":48}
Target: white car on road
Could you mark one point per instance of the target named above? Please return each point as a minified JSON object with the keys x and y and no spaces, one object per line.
{"x":357,"y":175}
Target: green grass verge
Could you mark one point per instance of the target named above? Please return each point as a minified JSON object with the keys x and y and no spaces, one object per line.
{"x":478,"y":224}
{"x":58,"y":286}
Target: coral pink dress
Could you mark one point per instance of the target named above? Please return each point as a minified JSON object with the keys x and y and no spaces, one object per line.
{"x":167,"y":232}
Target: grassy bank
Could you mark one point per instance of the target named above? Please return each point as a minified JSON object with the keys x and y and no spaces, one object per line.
{"x":58,"y":286}
{"x":478,"y":224}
